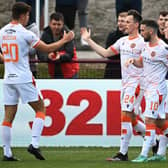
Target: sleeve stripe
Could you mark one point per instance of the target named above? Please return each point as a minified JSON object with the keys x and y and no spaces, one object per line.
{"x":36,"y":44}
{"x":114,"y":50}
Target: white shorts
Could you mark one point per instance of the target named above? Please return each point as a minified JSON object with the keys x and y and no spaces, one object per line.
{"x":155,"y":106}
{"x":26,"y":91}
{"x":129,"y":100}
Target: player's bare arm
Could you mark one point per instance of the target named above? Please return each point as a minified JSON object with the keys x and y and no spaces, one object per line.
{"x":137,"y":62}
{"x":42,"y":46}
{"x":1,"y":57}
{"x":86,"y":35}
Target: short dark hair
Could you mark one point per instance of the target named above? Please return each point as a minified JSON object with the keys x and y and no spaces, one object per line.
{"x":163,"y":13}
{"x":20,"y":8}
{"x":136,"y":15}
{"x":57,"y":16}
{"x":152,"y":24}
{"x":123,"y":14}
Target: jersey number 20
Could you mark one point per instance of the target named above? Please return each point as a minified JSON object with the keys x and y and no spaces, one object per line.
{"x":10,"y":52}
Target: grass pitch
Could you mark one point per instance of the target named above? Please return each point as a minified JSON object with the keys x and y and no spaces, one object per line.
{"x":77,"y":157}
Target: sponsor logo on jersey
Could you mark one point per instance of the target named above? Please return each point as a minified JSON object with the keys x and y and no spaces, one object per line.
{"x":153,"y":53}
{"x":10,"y":31}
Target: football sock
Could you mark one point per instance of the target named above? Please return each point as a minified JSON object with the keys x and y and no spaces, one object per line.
{"x":37,"y":128}
{"x":126,"y":133}
{"x":6,"y":138}
{"x":149,"y":139}
{"x":163,"y":141}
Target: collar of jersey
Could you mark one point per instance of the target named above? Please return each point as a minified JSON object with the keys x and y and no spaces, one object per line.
{"x":155,"y":44}
{"x":14,"y":22}
{"x":134,"y":37}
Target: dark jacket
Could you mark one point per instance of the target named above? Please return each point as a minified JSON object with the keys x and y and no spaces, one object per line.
{"x":66,"y":2}
{"x":162,"y":36}
{"x":62,"y":68}
{"x":113,"y":70}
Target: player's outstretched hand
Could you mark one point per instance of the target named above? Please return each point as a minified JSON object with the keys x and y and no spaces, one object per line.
{"x":68,"y":36}
{"x":85,"y":34}
{"x":129,"y":61}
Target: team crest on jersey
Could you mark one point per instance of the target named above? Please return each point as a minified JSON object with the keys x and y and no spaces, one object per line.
{"x":153,"y":53}
{"x":133,"y":45}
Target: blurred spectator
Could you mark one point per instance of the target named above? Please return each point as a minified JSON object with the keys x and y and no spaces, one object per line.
{"x":69,"y":8}
{"x":82,"y":14}
{"x":32,"y":51}
{"x":166,"y":29}
{"x":60,"y":65}
{"x":32,"y":26}
{"x":166,"y":34}
{"x":113,"y":70}
{"x":163,"y":17}
{"x":125,"y":5}
{"x":32,"y":3}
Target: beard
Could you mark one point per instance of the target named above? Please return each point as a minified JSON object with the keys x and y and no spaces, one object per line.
{"x":147,"y":38}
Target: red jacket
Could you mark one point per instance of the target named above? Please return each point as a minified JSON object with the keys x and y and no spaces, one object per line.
{"x":68,"y":69}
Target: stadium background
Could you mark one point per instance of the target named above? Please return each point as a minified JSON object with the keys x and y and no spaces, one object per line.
{"x":94,"y":157}
{"x":102,"y":12}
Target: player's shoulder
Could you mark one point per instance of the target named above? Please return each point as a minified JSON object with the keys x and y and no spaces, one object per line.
{"x":137,"y":38}
{"x":163,"y":45}
{"x":140,"y":41}
{"x":124,"y":38}
{"x":13,"y":28}
{"x":26,"y":34}
{"x":4,"y":27}
{"x":140,"y":38}
{"x":23,"y":29}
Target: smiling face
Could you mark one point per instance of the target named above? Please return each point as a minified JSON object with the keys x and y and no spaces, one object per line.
{"x":161,"y":22}
{"x":121,"y":23}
